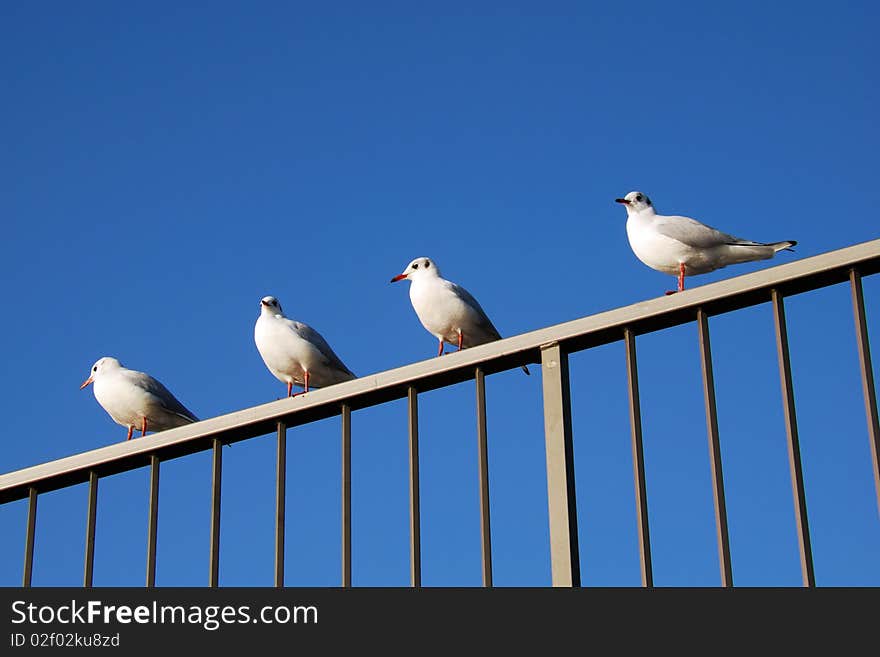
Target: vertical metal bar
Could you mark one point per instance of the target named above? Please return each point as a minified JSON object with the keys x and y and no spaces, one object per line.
{"x":280,"y":493}
{"x":561,"y":501}
{"x":346,"y":495}
{"x":415,"y":526}
{"x":29,"y":538}
{"x":635,"y":420}
{"x":91,"y":517}
{"x":870,"y":394}
{"x":794,"y":450}
{"x":216,"y":489}
{"x":483,"y":454}
{"x":714,"y":450}
{"x":153,"y":521}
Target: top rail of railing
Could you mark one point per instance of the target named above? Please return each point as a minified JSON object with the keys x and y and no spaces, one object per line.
{"x":643,"y":317}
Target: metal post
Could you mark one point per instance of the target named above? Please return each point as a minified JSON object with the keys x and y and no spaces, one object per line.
{"x":562,"y":506}
{"x":483,"y":455}
{"x":153,"y":525}
{"x":714,"y":450}
{"x":346,"y":495}
{"x":280,"y":493}
{"x":868,"y":391}
{"x":794,"y":450}
{"x":415,"y":529}
{"x":29,"y":538}
{"x":635,"y":420}
{"x":216,"y":488}
{"x":91,"y":517}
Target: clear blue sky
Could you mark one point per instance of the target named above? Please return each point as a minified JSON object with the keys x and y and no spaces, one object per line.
{"x":166,"y":166}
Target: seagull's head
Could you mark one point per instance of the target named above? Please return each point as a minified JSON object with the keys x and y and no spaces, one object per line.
{"x":636,"y":202}
{"x":418,"y":268}
{"x":270,"y":306}
{"x":101,"y":366}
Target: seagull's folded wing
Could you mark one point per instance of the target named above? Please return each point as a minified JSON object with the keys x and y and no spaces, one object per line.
{"x":694,"y":234}
{"x":309,"y":334}
{"x":169,"y":402}
{"x":482,"y":319}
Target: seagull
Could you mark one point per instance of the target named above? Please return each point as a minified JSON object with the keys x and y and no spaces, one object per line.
{"x":445,"y":309}
{"x":682,"y":246}
{"x":295,"y":352}
{"x":135,"y":399}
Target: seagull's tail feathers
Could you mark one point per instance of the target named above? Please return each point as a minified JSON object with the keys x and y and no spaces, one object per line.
{"x":747,"y":251}
{"x":187,"y":416}
{"x":783,"y":246}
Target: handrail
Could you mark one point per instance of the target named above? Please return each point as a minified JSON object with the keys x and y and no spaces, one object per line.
{"x":643,"y":317}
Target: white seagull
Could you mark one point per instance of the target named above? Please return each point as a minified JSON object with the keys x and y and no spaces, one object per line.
{"x":445,"y":309}
{"x":135,"y":399}
{"x":295,"y":352}
{"x":682,"y":246}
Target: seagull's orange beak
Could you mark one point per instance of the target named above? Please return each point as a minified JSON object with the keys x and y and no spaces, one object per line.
{"x":621,"y":200}
{"x":85,"y":383}
{"x":399,"y":277}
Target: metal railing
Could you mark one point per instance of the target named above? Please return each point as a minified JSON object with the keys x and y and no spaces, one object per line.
{"x":549,"y":346}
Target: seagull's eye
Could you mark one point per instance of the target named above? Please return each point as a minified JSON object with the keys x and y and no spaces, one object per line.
{"x":427,"y":263}
{"x":415,"y":265}
{"x":639,"y":197}
{"x":95,"y":368}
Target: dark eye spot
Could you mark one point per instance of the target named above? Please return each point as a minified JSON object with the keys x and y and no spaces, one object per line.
{"x":95,"y":368}
{"x":639,"y":197}
{"x":415,"y":265}
{"x":427,"y":263}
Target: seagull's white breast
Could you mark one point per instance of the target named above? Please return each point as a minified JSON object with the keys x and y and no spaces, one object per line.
{"x":124,"y":401}
{"x":286,"y":354}
{"x":442,"y":312}
{"x":654,"y":249}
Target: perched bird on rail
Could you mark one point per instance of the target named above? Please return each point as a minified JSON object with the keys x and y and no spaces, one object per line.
{"x":682,"y":246}
{"x":295,"y":352}
{"x":445,"y":309}
{"x":135,"y":399}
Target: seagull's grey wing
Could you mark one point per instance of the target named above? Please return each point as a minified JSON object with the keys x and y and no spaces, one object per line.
{"x":169,"y":402}
{"x":483,"y":321}
{"x":306,"y":332}
{"x":695,"y":234}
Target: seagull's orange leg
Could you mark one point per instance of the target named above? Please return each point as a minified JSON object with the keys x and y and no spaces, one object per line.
{"x":440,"y":348}
{"x":680,"y":280}
{"x":460,"y":338}
{"x":289,"y":388}
{"x":130,"y":429}
{"x":305,"y":385}
{"x":143,"y":427}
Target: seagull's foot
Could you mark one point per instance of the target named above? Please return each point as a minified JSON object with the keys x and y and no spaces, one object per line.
{"x":301,"y":392}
